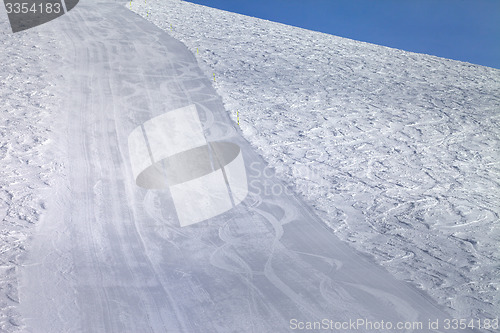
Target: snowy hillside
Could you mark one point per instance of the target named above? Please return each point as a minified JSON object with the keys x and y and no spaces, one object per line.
{"x":398,"y":152}
{"x":28,"y":167}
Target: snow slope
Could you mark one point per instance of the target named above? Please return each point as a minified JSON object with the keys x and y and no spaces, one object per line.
{"x":398,"y":152}
{"x":29,"y":161}
{"x":109,"y":256}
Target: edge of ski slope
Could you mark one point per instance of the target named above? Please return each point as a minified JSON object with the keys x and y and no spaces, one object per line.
{"x":398,"y":152}
{"x":31,"y":158}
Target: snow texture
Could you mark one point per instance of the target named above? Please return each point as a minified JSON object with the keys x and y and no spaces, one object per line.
{"x":28,"y":164}
{"x":398,"y":152}
{"x":109,"y":256}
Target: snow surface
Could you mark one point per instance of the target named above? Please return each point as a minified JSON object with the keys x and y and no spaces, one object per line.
{"x":110,"y":256}
{"x":398,"y":152}
{"x":332,"y":116}
{"x":28,"y":169}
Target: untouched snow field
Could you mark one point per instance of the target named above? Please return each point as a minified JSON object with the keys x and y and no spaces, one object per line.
{"x":29,"y":165}
{"x":398,"y":152}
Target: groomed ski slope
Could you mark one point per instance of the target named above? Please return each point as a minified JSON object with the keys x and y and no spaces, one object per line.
{"x":398,"y":152}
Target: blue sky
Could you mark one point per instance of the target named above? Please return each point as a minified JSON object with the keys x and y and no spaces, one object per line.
{"x":466,"y":30}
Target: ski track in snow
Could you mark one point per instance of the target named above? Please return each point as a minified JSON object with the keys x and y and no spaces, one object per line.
{"x":29,"y":161}
{"x":398,"y":152}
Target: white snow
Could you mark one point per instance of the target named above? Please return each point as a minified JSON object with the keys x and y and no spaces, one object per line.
{"x":28,"y":163}
{"x":398,"y":152}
